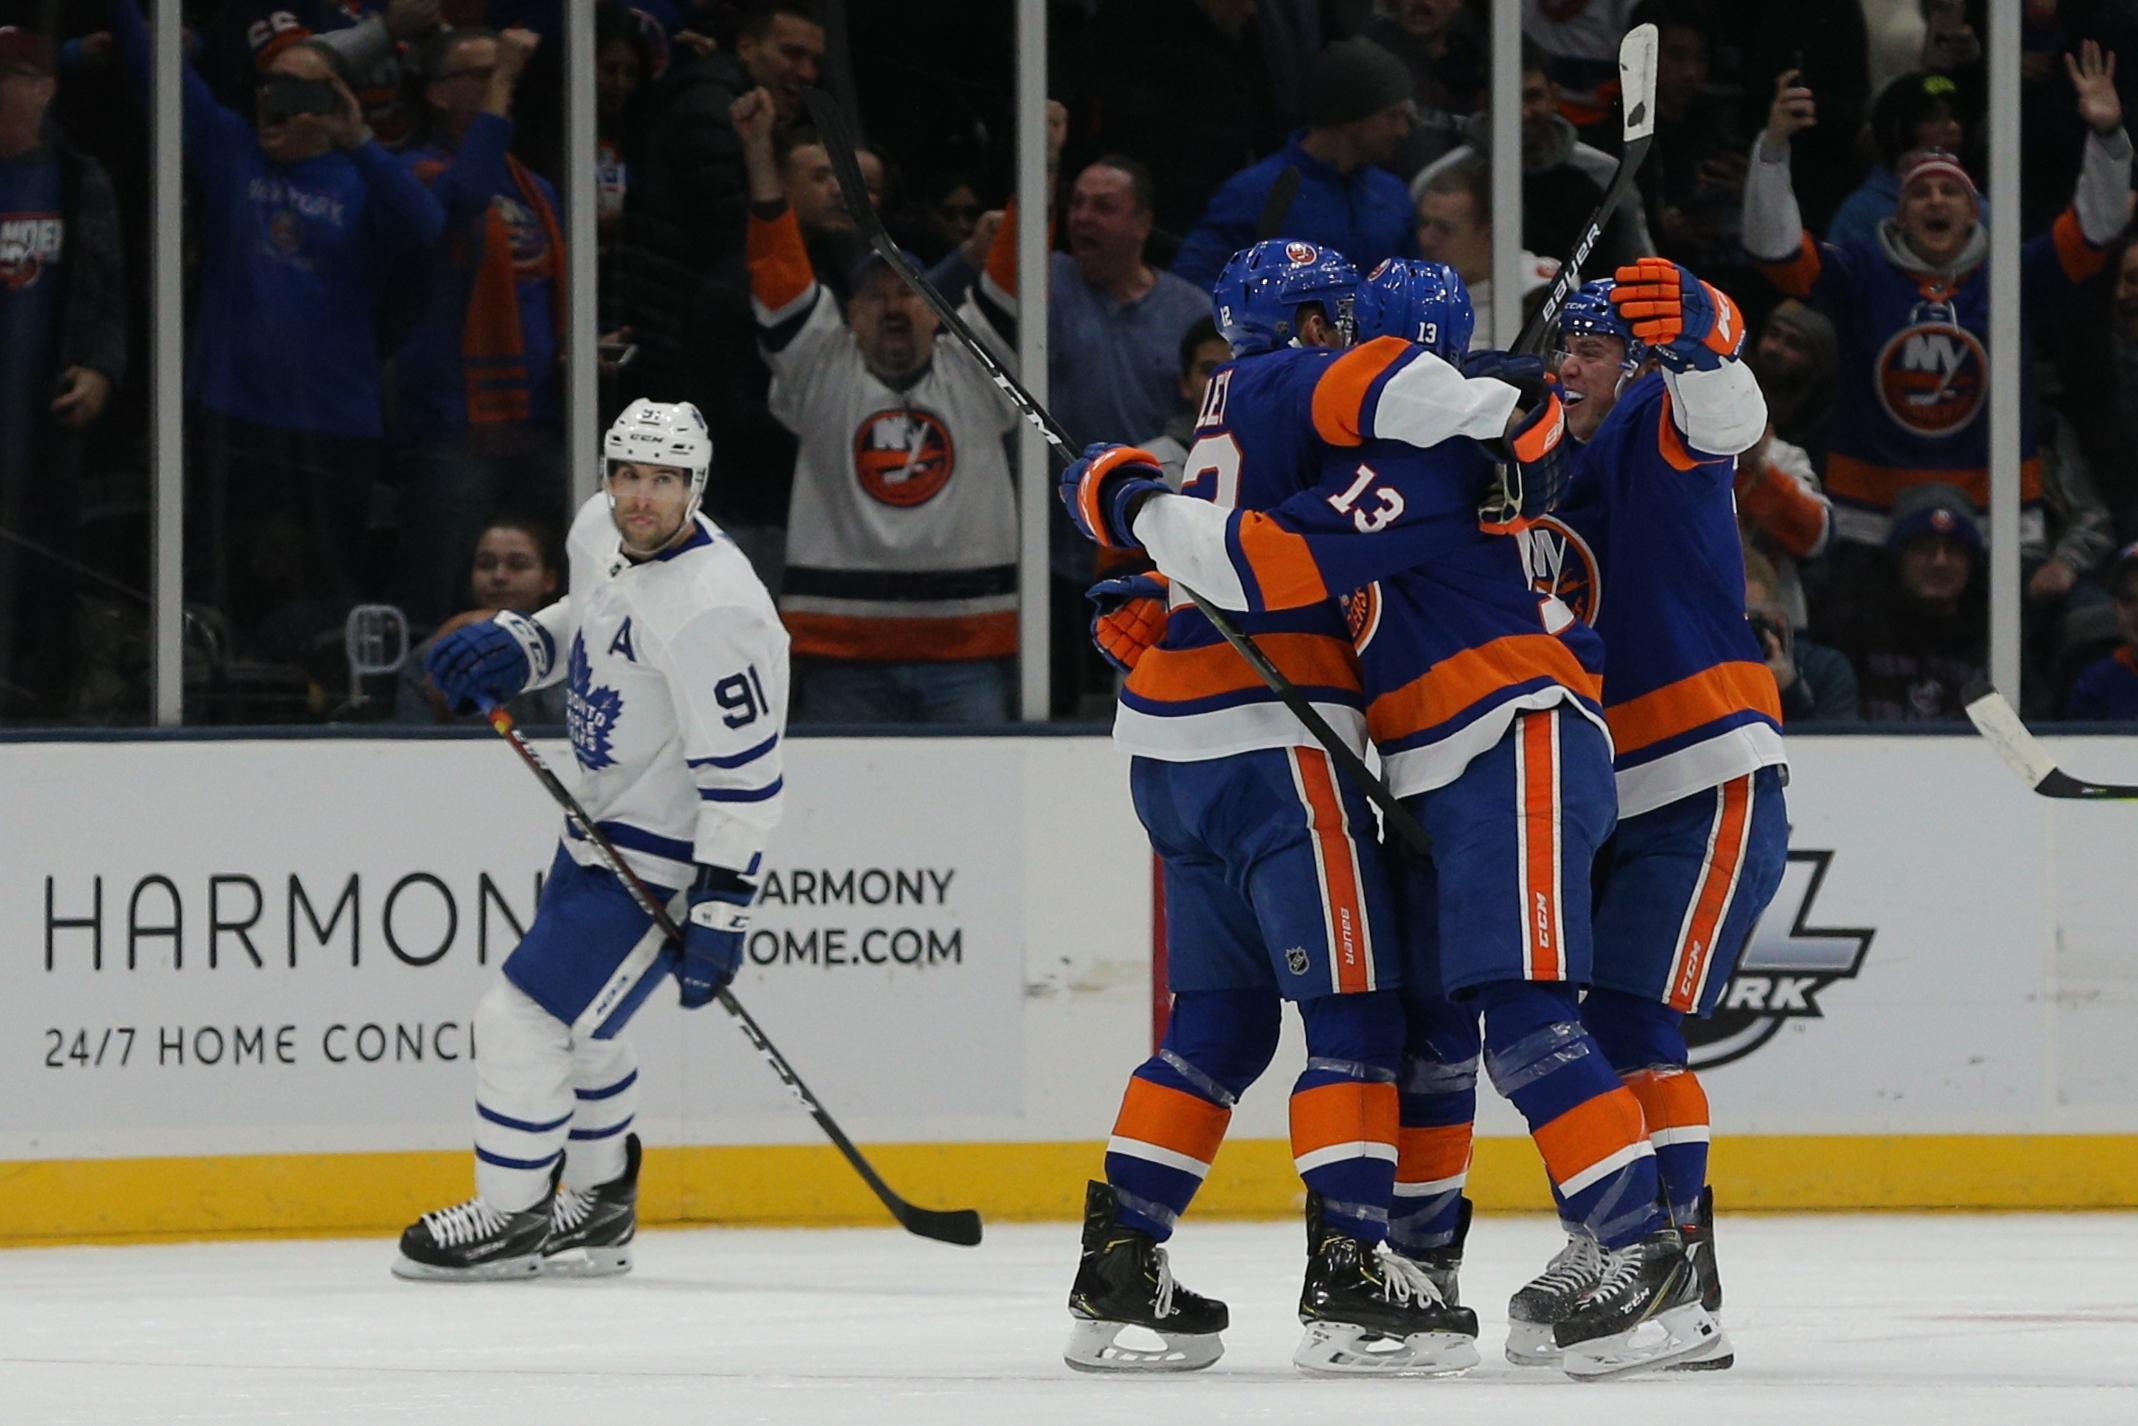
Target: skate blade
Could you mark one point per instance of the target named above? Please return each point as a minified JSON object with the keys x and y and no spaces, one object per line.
{"x":1342,"y":1349}
{"x":588,"y":1262}
{"x":1717,"y":1356}
{"x":1093,"y":1348}
{"x":1665,"y":1338}
{"x":503,"y":1270}
{"x":1531,"y":1344}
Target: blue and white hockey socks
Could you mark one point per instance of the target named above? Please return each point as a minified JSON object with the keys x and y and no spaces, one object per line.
{"x":1437,"y":1105}
{"x":523,"y":1097}
{"x":1587,"y":1125}
{"x":605,"y":1104}
{"x":1344,"y":1108}
{"x":1645,"y":1042}
{"x":1179,"y":1102}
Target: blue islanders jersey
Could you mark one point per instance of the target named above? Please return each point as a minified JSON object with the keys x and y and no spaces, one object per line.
{"x":1268,"y":430}
{"x":1645,"y":548}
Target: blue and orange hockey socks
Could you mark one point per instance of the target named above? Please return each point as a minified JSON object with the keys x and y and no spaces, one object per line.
{"x":1344,"y":1108}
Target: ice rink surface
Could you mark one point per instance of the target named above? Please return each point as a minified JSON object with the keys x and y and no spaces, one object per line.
{"x":1837,"y":1320}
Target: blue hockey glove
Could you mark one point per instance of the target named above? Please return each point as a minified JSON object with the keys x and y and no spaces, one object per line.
{"x":713,"y":932}
{"x":1688,"y":324}
{"x":1102,"y":490}
{"x":493,"y":660}
{"x":1538,"y":470}
{"x":1128,"y":616}
{"x":1524,"y":373}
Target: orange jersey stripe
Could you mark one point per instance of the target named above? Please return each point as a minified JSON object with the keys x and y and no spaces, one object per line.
{"x":1589,"y":1133}
{"x":1428,"y":1155}
{"x":1783,"y":508}
{"x":1184,"y":675}
{"x":1669,"y":1098}
{"x":1172,"y":1119}
{"x":779,"y":264}
{"x":1537,"y":762}
{"x":1878,"y":486}
{"x":1711,"y":900}
{"x":1796,"y":273}
{"x":1463,"y":679}
{"x":1342,"y":902}
{"x":1671,"y":441}
{"x":1340,"y":395}
{"x":1332,"y":1115}
{"x":2079,"y":258}
{"x":1700,"y":698}
{"x":1284,"y":573}
{"x":849,"y":636}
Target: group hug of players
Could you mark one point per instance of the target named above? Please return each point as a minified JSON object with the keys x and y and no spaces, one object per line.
{"x":1526,"y":592}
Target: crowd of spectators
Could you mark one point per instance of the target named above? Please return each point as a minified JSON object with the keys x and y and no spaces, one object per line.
{"x":376,"y":296}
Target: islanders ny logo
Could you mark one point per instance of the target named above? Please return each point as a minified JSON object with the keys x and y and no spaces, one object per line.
{"x":1931,"y":378}
{"x":1300,"y":254}
{"x":1561,"y":564}
{"x":903,"y":456}
{"x":590,"y":713}
{"x":1788,"y":964}
{"x":28,"y":241}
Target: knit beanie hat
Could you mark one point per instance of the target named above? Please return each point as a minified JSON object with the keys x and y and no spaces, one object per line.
{"x":1352,"y":80}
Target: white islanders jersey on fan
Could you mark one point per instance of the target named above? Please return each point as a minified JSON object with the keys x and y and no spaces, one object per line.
{"x":676,"y":670}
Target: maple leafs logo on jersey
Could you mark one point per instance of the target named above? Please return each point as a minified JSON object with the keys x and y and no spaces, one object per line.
{"x":590,"y":713}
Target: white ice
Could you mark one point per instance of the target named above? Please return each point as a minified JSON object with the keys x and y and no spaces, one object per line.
{"x":1837,"y":1320}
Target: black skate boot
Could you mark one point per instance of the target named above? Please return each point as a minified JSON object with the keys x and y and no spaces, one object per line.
{"x":1369,"y":1312}
{"x":590,"y":1231}
{"x":1643,"y":1313}
{"x":1122,"y":1281}
{"x":473,"y":1242}
{"x":1699,"y":1237}
{"x":1548,"y":1299}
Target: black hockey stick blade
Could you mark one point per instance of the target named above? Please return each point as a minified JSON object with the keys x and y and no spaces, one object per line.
{"x":838,"y":139}
{"x":1278,"y":204}
{"x":1999,"y":722}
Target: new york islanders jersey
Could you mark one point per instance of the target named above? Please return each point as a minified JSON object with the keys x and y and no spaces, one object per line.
{"x":1645,"y":548}
{"x":676,"y":670}
{"x":1268,"y":425}
{"x":902,"y":535}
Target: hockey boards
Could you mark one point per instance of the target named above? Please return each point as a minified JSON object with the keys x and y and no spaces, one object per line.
{"x":1636,"y":79}
{"x":960,"y":1226}
{"x":1997,"y":720}
{"x":838,"y":139}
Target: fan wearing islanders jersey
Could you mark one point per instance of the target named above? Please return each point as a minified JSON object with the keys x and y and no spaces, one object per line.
{"x":1645,"y":547}
{"x":1274,"y":885}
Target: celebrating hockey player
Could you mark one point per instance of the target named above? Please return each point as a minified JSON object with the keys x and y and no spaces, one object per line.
{"x":1645,"y":546}
{"x":677,"y":669}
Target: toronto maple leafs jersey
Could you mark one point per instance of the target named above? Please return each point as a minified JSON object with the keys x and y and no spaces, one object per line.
{"x":676,"y":670}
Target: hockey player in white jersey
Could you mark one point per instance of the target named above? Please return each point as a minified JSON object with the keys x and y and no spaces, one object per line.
{"x":677,"y":669}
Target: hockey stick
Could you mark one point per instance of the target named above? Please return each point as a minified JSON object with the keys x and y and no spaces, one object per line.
{"x":1995,"y":719}
{"x":839,"y":145}
{"x":958,"y":1225}
{"x":1277,"y":204}
{"x":1636,"y":78}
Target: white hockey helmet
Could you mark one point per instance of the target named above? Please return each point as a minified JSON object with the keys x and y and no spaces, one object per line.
{"x":661,"y":433}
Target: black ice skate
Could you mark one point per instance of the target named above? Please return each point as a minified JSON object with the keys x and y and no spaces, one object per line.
{"x":1548,"y":1299}
{"x":473,"y":1242}
{"x":1699,"y":1237}
{"x":1371,"y":1312}
{"x":590,"y":1230}
{"x":1122,"y":1281}
{"x":1643,"y":1313}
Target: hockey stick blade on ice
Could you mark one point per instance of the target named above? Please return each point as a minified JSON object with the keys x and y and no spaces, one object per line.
{"x":1636,"y":80}
{"x":1997,"y":720}
{"x":957,"y":1225}
{"x":839,"y":146}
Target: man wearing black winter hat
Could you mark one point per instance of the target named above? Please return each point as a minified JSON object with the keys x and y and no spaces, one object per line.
{"x":1358,"y":115}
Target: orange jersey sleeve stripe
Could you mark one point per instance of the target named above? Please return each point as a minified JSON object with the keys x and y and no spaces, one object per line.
{"x":1172,"y":1119}
{"x":1432,"y":1154}
{"x":1349,"y":1120}
{"x":1711,"y":899}
{"x":1690,"y":702}
{"x":1464,"y":679}
{"x":1588,"y":1135}
{"x":946,"y":640}
{"x":1538,"y":831}
{"x":1283,"y":571}
{"x":1671,"y":442}
{"x":1669,"y":1098}
{"x":2079,"y":258}
{"x":1340,"y":395}
{"x":1878,"y":486}
{"x":1796,"y":273}
{"x":1784,"y":509}
{"x":779,"y":264}
{"x":1343,"y":903}
{"x":1185,"y":675}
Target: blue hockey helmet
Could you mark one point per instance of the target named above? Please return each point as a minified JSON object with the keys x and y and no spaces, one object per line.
{"x":1590,"y":312}
{"x":1419,"y":301}
{"x":1257,"y":297}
